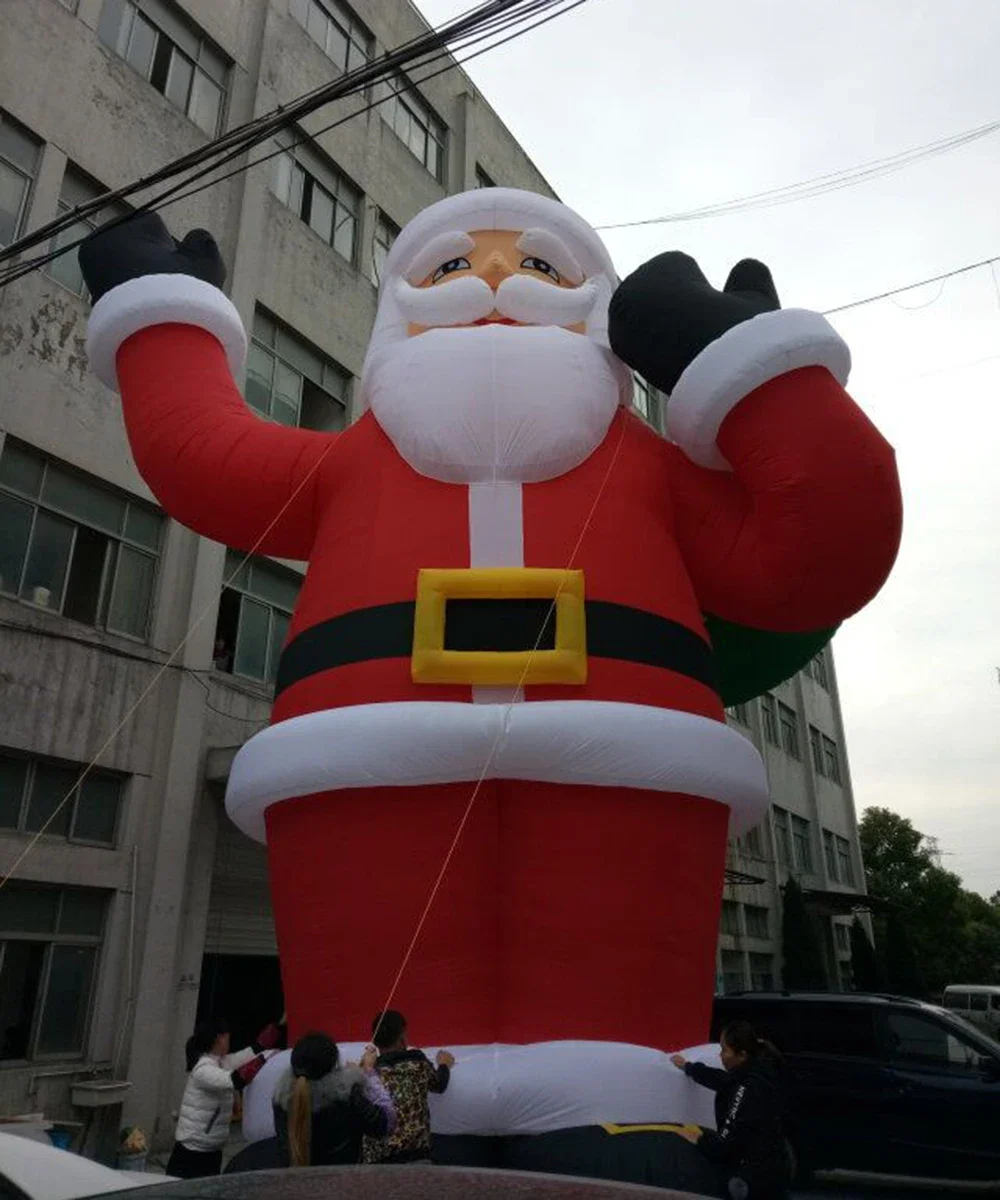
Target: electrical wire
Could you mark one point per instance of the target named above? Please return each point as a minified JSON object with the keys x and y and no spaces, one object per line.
{"x":819,"y":184}
{"x":484,"y":22}
{"x":983,"y":262}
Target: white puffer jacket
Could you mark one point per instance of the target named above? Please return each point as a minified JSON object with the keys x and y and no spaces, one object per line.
{"x":207,"y":1106}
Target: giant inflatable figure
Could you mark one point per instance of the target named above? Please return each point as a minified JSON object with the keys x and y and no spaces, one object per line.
{"x":513,"y":578}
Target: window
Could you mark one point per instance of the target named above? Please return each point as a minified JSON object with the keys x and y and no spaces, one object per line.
{"x":919,"y":1041}
{"x":482,"y":179}
{"x":782,"y":836}
{"x":409,"y":116}
{"x":78,"y":189}
{"x":336,"y":30}
{"x":731,"y":917}
{"x":768,"y":714}
{"x":72,"y":545}
{"x":31,"y":791}
{"x":838,"y":1029}
{"x":978,"y":1002}
{"x":386,"y":233}
{"x":290,"y":382}
{"x":739,"y":712}
{"x":49,"y":944}
{"x":830,"y":854}
{"x":845,"y":862}
{"x":802,"y":844}
{"x":842,"y":938}
{"x":816,"y":749}
{"x":761,"y":972}
{"x":753,"y":842}
{"x":646,"y":401}
{"x":831,"y":759}
{"x":254,"y":611}
{"x":19,"y":153}
{"x":757,"y":919}
{"x":163,"y":47}
{"x":957,"y":1000}
{"x":789,"y":730}
{"x":315,"y":190}
{"x":816,"y":668}
{"x":733,"y":972}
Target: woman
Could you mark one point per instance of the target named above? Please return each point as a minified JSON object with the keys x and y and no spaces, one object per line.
{"x":749,"y":1143}
{"x":322,"y":1110}
{"x":207,"y":1107}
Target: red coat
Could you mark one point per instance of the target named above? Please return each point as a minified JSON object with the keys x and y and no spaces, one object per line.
{"x":799,"y":536}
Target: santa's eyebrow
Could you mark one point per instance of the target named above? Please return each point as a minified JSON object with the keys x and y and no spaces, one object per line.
{"x":438,"y":250}
{"x":553,"y":249}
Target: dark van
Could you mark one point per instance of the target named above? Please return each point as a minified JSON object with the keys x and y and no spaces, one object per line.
{"x":880,"y":1083}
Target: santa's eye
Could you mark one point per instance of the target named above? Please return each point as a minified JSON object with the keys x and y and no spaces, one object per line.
{"x":531,"y":263}
{"x":449,"y":268}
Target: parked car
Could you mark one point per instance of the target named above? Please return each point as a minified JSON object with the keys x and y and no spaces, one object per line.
{"x":881,"y":1083}
{"x":30,"y":1170}
{"x":977,"y":1003}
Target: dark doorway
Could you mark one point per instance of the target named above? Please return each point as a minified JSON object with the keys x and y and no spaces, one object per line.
{"x":244,"y":989}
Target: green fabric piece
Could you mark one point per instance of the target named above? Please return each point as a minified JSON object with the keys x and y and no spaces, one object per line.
{"x":750,"y":662}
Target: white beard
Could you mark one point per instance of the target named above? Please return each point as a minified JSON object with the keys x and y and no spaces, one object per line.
{"x":495,"y":402}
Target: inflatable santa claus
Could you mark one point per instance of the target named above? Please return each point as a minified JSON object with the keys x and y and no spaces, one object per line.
{"x":511,"y":583}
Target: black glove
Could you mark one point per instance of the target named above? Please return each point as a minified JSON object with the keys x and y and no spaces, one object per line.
{"x":142,"y":245}
{"x":666,"y":313}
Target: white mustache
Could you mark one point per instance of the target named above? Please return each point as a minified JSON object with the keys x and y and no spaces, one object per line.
{"x":519,"y":298}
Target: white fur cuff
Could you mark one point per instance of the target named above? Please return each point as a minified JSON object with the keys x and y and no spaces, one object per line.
{"x":161,"y":300}
{"x":742,"y":360}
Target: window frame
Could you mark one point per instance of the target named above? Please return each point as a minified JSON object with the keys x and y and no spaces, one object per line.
{"x":279,"y":331}
{"x":900,"y":1062}
{"x":783,"y":848}
{"x":51,"y":940}
{"x":320,"y":173}
{"x":82,"y":226}
{"x":172,"y":25}
{"x":381,"y":223}
{"x":403,"y":94}
{"x":755,"y":960}
{"x":32,"y":762}
{"x":29,"y":177}
{"x":343,"y":15}
{"x":238,"y":579}
{"x":845,"y":854}
{"x":116,"y":542}
{"x":769,"y":719}
{"x":483,"y":178}
{"x":752,"y":916}
{"x":831,"y":758}
{"x":730,"y":975}
{"x":800,"y":831}
{"x":788,"y":728}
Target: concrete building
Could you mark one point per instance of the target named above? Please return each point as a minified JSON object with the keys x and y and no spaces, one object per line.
{"x":142,"y":906}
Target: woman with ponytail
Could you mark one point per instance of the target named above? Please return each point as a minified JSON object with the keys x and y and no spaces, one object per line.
{"x":748,"y":1142}
{"x":322,"y":1111}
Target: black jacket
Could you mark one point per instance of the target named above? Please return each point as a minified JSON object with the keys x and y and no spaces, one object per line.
{"x":749,"y":1140}
{"x":342,"y":1114}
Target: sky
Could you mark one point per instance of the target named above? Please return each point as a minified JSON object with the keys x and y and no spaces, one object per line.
{"x":640,"y":108}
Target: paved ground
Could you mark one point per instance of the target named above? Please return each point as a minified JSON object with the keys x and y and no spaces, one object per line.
{"x":838,"y":1187}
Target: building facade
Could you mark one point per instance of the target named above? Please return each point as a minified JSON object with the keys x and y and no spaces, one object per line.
{"x":142,"y":906}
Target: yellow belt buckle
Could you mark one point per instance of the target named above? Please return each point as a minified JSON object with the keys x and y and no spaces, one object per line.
{"x":432,"y":663}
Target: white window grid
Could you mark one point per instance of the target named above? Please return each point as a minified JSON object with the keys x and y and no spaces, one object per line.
{"x":49,"y":516}
{"x":19,"y":156}
{"x":77,"y":189}
{"x":317,"y":191}
{"x":290,"y":382}
{"x":385,"y":233}
{"x":162,"y":46}
{"x":265,"y":595}
{"x":410,"y":117}
{"x":336,"y":30}
{"x":32,"y":788}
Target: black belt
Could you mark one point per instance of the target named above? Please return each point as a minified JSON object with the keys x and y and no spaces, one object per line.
{"x":386,"y":631}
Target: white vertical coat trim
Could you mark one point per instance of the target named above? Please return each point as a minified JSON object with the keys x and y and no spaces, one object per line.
{"x":496,"y":539}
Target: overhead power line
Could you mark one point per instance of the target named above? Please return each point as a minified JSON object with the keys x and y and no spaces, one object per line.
{"x":983,"y":262}
{"x":495,"y":22}
{"x":820,"y":184}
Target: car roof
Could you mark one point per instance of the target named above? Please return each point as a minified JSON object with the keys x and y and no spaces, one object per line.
{"x":44,"y":1171}
{"x":977,"y":988}
{"x":875,"y":998}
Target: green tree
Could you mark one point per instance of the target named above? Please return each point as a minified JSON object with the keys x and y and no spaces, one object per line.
{"x":803,"y":959}
{"x":934,"y":932}
{"x":864,"y":964}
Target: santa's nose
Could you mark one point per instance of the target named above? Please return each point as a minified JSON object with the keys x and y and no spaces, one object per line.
{"x":496,"y":269}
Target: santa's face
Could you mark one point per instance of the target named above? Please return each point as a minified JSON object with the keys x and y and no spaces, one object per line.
{"x":495,"y":378}
{"x":495,"y":256}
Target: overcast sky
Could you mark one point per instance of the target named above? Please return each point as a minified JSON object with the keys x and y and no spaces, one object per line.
{"x":640,"y":108}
